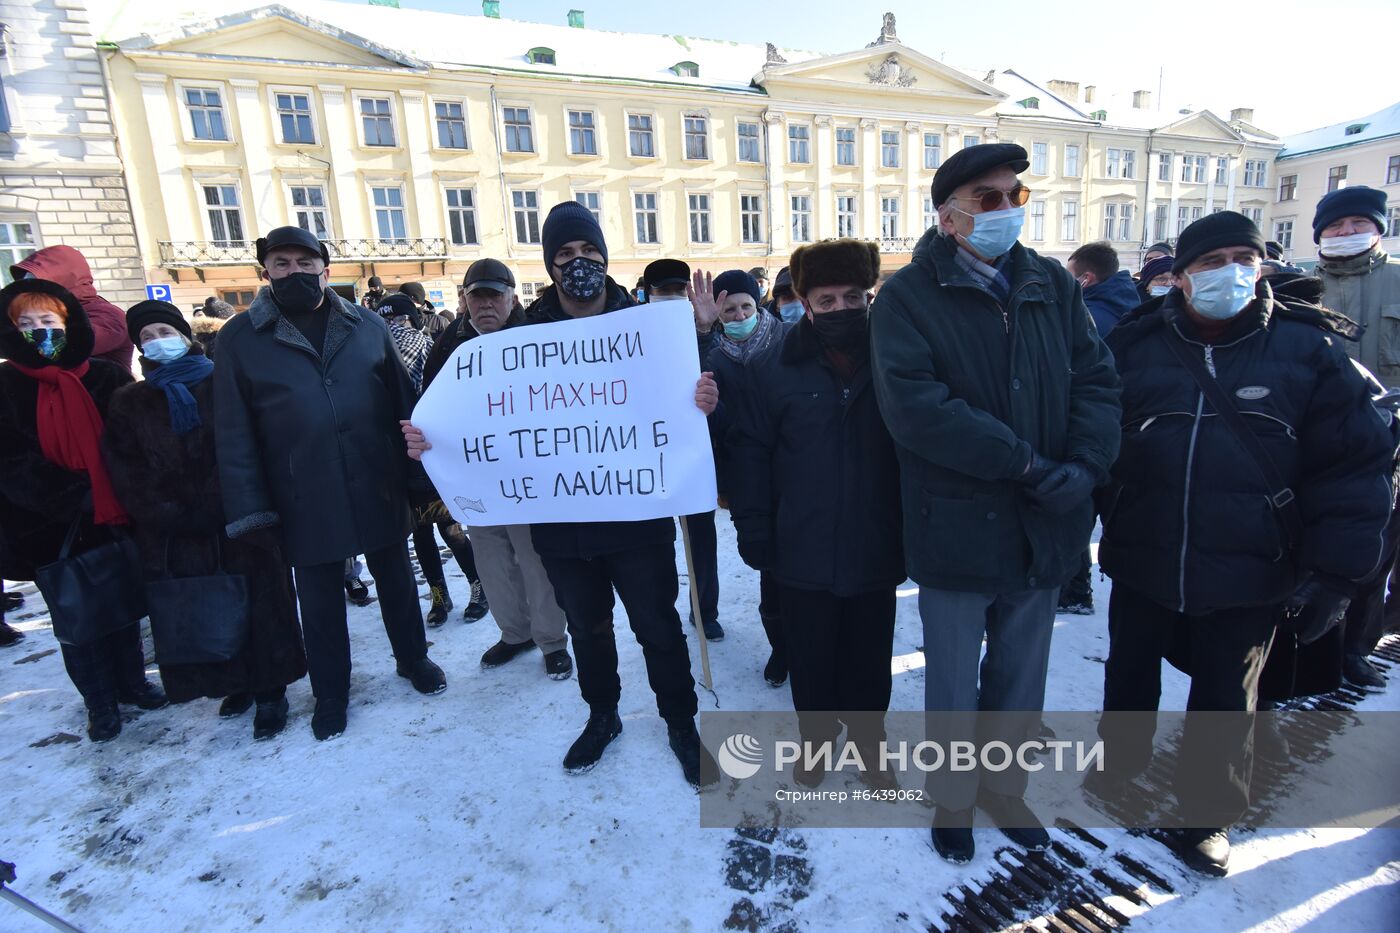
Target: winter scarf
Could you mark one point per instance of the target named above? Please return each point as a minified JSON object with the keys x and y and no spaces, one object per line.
{"x":70,"y":433}
{"x":413,"y":350}
{"x":174,"y":379}
{"x":767,"y":333}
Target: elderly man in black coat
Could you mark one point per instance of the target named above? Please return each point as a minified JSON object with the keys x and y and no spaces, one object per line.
{"x":308,"y":394}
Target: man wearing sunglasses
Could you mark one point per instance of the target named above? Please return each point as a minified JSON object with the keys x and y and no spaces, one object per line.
{"x":1004,"y":406}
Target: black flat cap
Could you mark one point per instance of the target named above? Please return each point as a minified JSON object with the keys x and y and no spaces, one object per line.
{"x":966,"y":164}
{"x":666,"y":272}
{"x":291,"y":236}
{"x":488,"y":273}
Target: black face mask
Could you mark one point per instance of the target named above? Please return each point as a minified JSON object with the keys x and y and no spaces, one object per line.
{"x":842,"y":328}
{"x":300,"y":291}
{"x":582,"y":279}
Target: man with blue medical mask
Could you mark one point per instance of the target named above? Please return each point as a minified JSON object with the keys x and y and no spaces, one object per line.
{"x":1003,"y":405}
{"x":1229,"y":538}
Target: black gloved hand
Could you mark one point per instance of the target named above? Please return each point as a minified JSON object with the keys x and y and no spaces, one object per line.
{"x":1067,"y":486}
{"x":1318,"y":604}
{"x":757,"y":552}
{"x":1036,"y":470}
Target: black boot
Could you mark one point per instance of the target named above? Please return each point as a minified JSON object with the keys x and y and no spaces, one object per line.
{"x":271,"y":717}
{"x":1015,"y":820}
{"x":8,"y":635}
{"x":442,"y":604}
{"x":502,"y":652}
{"x":104,"y":721}
{"x":1205,"y":850}
{"x":478,"y":607}
{"x":1361,"y":673}
{"x":235,"y":704}
{"x":146,"y":695}
{"x":952,"y":834}
{"x":356,"y":593}
{"x":698,"y":767}
{"x":775,"y":672}
{"x":601,"y":729}
{"x":426,"y":676}
{"x":329,"y":719}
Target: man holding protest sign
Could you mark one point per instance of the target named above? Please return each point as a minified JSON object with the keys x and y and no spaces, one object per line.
{"x":587,"y":560}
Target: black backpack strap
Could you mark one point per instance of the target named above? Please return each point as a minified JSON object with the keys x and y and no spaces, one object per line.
{"x":1281,"y":497}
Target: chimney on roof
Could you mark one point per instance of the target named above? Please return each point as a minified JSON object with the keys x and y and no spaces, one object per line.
{"x":491,"y":9}
{"x":1142,"y":100}
{"x":1089,"y":93}
{"x":576,"y":19}
{"x":1066,"y":90}
{"x":1242,"y":115}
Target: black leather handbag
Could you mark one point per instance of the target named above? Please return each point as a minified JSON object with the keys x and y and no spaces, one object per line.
{"x":198,"y":620}
{"x":95,"y":593}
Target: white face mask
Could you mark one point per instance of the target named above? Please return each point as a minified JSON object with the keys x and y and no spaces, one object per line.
{"x":1157,"y":291}
{"x":1353,"y":245}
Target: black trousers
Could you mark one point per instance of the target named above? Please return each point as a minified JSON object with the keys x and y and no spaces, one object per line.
{"x":1080,"y":587}
{"x":321,"y":594}
{"x":838,"y":654}
{"x":645,"y":578}
{"x":770,"y":614}
{"x":704,"y":552}
{"x":108,"y":666}
{"x":430,"y":559}
{"x":1223,"y":652}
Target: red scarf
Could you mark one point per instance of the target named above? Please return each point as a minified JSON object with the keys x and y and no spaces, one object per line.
{"x":70,"y":434}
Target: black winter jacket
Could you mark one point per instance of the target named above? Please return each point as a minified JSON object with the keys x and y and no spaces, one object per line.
{"x":586,"y":540}
{"x":814,"y":472}
{"x":968,"y":390}
{"x":312,"y":440}
{"x":1186,"y":519}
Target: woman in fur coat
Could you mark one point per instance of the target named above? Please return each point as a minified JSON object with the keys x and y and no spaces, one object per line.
{"x":160,"y":450}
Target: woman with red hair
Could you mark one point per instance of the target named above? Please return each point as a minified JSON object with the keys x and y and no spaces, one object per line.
{"x":53,"y":400}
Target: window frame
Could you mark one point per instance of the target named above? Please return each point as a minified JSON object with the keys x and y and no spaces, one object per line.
{"x":1077,"y":150}
{"x":312,"y":113}
{"x":1289,"y":184}
{"x":1112,"y":162}
{"x":888,"y":230}
{"x":1392,"y":227}
{"x":1392,"y":170}
{"x":586,"y":191}
{"x":221,"y":181}
{"x":852,"y":215}
{"x":1037,"y":219}
{"x":515,"y":225}
{"x":936,"y":148}
{"x":433,"y":101}
{"x":1222,"y":170}
{"x":1333,"y":177}
{"x":705,"y":215}
{"x":808,"y":216}
{"x":650,"y":115}
{"x":639,"y":213}
{"x":1075,"y":235}
{"x":1283,"y":231}
{"x":887,"y":147}
{"x":35,"y":241}
{"x":387,"y":184}
{"x":448,"y":209}
{"x":705,"y":137}
{"x":1164,"y":165}
{"x":506,"y":127}
{"x":854,"y":143}
{"x":1040,"y":158}
{"x":187,"y":121}
{"x":289,"y":185}
{"x":755,"y":213}
{"x":804,"y":143}
{"x":740,"y":137}
{"x":394,"y":127}
{"x":596,"y":128}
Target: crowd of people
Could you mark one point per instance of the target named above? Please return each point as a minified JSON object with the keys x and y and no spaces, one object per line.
{"x":964,"y":422}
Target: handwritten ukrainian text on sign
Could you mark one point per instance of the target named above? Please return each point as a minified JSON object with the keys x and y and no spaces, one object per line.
{"x":585,"y":420}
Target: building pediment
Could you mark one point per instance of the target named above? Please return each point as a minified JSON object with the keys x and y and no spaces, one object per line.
{"x":1202,"y":125}
{"x":273,"y":33}
{"x":889,"y":65}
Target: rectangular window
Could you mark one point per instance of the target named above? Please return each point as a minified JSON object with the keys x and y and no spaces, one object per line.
{"x":1129,"y":163}
{"x":933,"y":150}
{"x":1117,"y":221}
{"x":750,"y":150}
{"x":1283,"y":232}
{"x":1186,"y":216}
{"x":930,"y":214}
{"x":519,"y":135}
{"x":1193,"y":168}
{"x":1037,"y":220}
{"x":390,"y":220}
{"x":1159,"y":221}
{"x":845,"y":145}
{"x":644,"y":206}
{"x":1071,"y":161}
{"x":1392,"y":171}
{"x":697,"y":139}
{"x":294,"y":118}
{"x":846,"y":215}
{"x":1040,"y":158}
{"x":699,"y":215}
{"x":525,"y":207}
{"x":1164,"y":166}
{"x":889,"y":148}
{"x":1113,"y":163}
{"x":1222,"y":170}
{"x":801,"y":218}
{"x":751,"y":218}
{"x":1255,"y":214}
{"x":889,"y":218}
{"x":1110,"y":219}
{"x":640,"y":140}
{"x":451,"y":120}
{"x":461,"y":216}
{"x":309,"y":210}
{"x":970,"y":141}
{"x":1125,"y":222}
{"x":1336,"y":177}
{"x":16,"y":243}
{"x":206,"y":114}
{"x":1256,"y":173}
{"x":1287,"y":187}
{"x":377,"y":118}
{"x":1392,"y":227}
{"x":583,"y":133}
{"x":799,"y":143}
{"x":1069,"y":219}
{"x":225,"y":217}
{"x":593,"y":201}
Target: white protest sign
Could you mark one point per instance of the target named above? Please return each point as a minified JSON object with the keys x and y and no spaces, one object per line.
{"x":586,"y":420}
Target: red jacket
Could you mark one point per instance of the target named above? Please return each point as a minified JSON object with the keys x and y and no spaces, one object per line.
{"x":67,"y":267}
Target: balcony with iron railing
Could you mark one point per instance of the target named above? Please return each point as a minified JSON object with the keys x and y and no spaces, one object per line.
{"x":190,"y":254}
{"x":898,"y":244}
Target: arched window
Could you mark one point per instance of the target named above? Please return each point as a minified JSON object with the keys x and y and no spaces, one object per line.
{"x":686,"y":69}
{"x":540,"y":55}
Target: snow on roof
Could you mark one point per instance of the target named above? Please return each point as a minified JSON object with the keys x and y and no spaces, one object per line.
{"x":1019,"y":91}
{"x":454,"y":39}
{"x":1378,"y":125}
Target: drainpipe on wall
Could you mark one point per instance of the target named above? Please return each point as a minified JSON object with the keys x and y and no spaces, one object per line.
{"x":1147,"y":180}
{"x":501,"y":171}
{"x":767,"y":186}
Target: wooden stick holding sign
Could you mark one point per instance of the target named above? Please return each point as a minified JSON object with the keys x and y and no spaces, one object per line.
{"x":695,"y":606}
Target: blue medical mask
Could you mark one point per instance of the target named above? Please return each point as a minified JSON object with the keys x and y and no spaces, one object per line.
{"x":741,"y":330}
{"x":164,"y":349}
{"x":1157,"y":291}
{"x":791,"y":312}
{"x":1220,"y":294}
{"x":994,"y":232}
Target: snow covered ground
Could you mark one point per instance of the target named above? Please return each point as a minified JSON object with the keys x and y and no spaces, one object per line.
{"x":452,"y":812}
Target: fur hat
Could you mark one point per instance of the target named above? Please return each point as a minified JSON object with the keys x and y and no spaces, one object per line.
{"x":835,"y":262}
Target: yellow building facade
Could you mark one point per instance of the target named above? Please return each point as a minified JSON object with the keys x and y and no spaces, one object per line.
{"x":416,"y":143}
